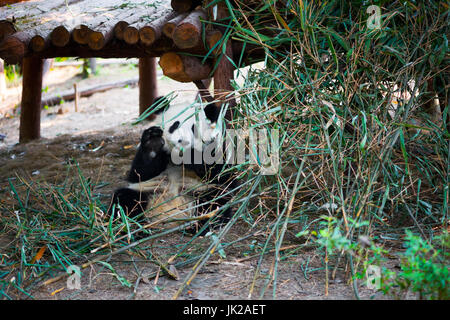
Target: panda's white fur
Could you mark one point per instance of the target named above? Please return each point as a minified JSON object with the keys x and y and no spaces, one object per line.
{"x":183,"y":137}
{"x":172,"y":197}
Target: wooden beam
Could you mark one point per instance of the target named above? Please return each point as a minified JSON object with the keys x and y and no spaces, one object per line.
{"x":60,"y":36}
{"x":114,"y":49}
{"x":38,"y":43}
{"x":188,"y":32}
{"x":14,"y":47}
{"x":81,"y":34}
{"x":148,"y":88}
{"x":119,"y":29}
{"x":6,"y":29}
{"x":104,"y":32}
{"x":30,"y":114}
{"x":184,"y":68}
{"x":125,"y":19}
{"x":131,"y":34}
{"x":169,"y":26}
{"x":151,"y":32}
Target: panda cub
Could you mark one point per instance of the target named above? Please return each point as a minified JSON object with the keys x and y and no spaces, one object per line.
{"x":167,"y":192}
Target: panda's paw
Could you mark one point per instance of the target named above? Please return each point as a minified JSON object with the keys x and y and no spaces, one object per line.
{"x":152,"y":132}
{"x":152,"y":141}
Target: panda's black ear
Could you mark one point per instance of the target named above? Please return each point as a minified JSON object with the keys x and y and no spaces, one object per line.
{"x":174,"y":126}
{"x":195,"y":131}
{"x":162,"y":103}
{"x":212,"y":112}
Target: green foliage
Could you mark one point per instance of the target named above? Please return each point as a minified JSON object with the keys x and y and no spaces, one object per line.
{"x":12,"y":72}
{"x":60,"y":221}
{"x":424,"y":269}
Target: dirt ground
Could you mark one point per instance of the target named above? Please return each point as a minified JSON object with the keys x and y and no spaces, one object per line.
{"x":100,"y":137}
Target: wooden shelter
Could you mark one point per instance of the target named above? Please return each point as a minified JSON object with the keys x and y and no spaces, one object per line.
{"x":34,"y":30}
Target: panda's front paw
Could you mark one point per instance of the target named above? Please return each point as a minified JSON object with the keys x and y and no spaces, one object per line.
{"x":152,"y":132}
{"x":152,"y":141}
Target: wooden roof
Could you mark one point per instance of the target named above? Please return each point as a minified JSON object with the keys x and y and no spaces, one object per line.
{"x":101,"y":28}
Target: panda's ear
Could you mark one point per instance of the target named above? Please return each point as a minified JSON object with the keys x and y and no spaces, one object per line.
{"x":212,"y":112}
{"x":195,"y":131}
{"x":174,"y":126}
{"x":161,"y":103}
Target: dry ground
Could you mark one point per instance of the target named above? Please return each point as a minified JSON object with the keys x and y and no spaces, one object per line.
{"x":104,"y":121}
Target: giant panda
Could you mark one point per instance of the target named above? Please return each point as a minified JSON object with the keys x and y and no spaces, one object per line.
{"x":165,"y":193}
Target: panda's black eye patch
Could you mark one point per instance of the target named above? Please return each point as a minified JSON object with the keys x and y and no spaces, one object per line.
{"x":175,"y":126}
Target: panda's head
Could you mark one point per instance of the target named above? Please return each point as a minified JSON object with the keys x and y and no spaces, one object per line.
{"x":194,"y":131}
{"x":179,"y":137}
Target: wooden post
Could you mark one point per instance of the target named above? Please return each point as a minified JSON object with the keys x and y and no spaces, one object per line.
{"x":148,"y":89}
{"x":224,"y":73}
{"x":77,"y":96}
{"x":30,"y":115}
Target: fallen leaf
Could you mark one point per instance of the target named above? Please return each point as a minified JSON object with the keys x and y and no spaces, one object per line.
{"x":56,"y":291}
{"x":38,"y":255}
{"x":99,"y":147}
{"x":174,"y":272}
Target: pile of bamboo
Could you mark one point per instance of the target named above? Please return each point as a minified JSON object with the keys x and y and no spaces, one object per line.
{"x":110,"y":29}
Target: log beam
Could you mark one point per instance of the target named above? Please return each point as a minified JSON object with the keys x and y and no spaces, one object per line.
{"x":60,"y":36}
{"x":81,"y":34}
{"x":6,"y":29}
{"x":184,"y":68}
{"x":188,"y":32}
{"x":30,"y":114}
{"x":151,"y":32}
{"x":169,"y":26}
{"x":38,"y":43}
{"x":14,"y":47}
{"x":148,"y":89}
{"x":131,"y":34}
{"x":119,"y":29}
{"x":114,"y":49}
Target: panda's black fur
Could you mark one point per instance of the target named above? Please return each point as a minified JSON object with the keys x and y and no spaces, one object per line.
{"x":153,"y":159}
{"x":144,"y":166}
